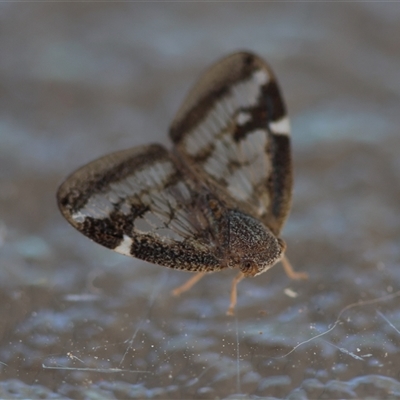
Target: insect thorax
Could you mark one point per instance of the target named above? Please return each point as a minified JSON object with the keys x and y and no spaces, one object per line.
{"x":252,"y":246}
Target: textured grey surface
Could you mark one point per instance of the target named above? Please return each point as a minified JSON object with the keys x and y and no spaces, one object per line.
{"x":80,"y":80}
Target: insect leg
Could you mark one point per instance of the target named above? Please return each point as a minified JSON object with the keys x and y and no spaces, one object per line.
{"x":235,"y":281}
{"x":188,"y":284}
{"x":290,"y":272}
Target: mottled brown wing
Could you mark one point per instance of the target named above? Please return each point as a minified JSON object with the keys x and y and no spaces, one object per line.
{"x":138,"y":202}
{"x":233,"y":130}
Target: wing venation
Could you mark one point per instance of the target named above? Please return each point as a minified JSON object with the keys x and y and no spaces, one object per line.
{"x":234,"y":132}
{"x":139,"y":202}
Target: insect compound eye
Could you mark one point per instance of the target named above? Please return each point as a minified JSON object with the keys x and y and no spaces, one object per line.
{"x":248,"y":268}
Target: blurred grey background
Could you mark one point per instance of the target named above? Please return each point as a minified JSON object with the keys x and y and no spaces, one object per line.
{"x":78,"y":80}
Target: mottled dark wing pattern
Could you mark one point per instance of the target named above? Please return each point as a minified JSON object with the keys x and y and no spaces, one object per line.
{"x":218,"y":200}
{"x":233,"y":130}
{"x":138,"y":202}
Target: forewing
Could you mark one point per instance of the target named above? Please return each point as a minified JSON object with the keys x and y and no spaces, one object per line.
{"x":138,"y":202}
{"x":233,"y":129}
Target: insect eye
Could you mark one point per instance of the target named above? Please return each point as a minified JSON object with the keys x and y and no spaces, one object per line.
{"x":249,"y":268}
{"x":247,"y":264}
